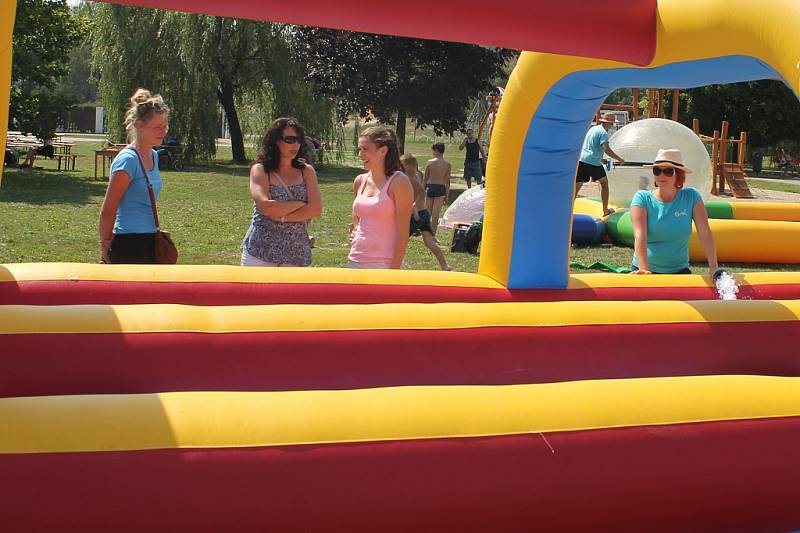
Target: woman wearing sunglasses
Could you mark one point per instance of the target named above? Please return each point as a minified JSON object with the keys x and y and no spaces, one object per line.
{"x":382,"y":202}
{"x":662,"y":220}
{"x":285,"y":195}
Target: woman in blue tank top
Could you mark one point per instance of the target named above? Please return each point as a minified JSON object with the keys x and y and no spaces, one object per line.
{"x":662,"y":220}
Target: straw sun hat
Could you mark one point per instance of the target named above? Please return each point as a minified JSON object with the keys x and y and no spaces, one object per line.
{"x":670,"y":158}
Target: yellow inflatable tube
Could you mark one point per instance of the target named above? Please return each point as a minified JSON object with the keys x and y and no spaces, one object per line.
{"x":57,"y":424}
{"x":751,"y":241}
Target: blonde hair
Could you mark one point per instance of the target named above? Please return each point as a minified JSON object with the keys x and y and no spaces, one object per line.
{"x":142,"y":105}
{"x":408,"y":158}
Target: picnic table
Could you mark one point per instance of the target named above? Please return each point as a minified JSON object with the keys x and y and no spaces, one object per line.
{"x":107,"y":155}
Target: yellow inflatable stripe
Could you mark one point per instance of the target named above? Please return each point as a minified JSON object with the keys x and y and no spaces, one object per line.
{"x":18,"y":319}
{"x":233,"y":274}
{"x":237,"y":274}
{"x":226,"y":419}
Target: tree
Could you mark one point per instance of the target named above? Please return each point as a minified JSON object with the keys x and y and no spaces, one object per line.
{"x":237,"y":53}
{"x":45,"y":32}
{"x":197,"y":62}
{"x":396,"y":78}
{"x":137,"y":47}
{"x":766,"y":109}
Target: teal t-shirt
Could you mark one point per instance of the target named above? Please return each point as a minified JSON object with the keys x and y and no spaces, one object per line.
{"x":134,"y":214}
{"x":669,"y":226}
{"x":592,"y":151}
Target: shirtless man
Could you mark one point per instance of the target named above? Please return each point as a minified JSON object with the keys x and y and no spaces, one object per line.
{"x":420,"y":216}
{"x":437,"y":183}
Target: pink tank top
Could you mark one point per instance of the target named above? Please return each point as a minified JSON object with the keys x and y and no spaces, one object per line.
{"x":374,"y":239}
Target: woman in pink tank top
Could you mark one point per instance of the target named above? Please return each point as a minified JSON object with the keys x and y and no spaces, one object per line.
{"x":382,"y":203}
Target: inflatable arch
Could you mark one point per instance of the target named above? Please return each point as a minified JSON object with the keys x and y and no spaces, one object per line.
{"x":550,"y":101}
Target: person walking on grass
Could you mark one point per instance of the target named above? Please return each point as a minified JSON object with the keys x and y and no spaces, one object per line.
{"x":382,"y":202}
{"x":127,"y":228}
{"x":421,"y":217}
{"x":473,"y":166}
{"x":286,"y":197}
{"x":436,"y":182}
{"x":590,"y":165}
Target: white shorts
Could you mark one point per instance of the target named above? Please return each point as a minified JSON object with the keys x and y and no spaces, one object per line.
{"x":250,"y":261}
{"x":353,"y":264}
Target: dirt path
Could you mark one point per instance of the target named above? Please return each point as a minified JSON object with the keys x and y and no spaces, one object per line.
{"x":761,"y":195}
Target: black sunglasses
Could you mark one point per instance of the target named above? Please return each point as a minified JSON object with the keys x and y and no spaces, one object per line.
{"x":668,"y":172}
{"x":291,"y":139}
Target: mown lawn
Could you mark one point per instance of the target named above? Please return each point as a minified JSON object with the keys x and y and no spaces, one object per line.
{"x":47,"y":215}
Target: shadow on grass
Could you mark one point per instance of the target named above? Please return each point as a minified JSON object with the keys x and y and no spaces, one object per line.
{"x":42,"y":187}
{"x":325,"y":173}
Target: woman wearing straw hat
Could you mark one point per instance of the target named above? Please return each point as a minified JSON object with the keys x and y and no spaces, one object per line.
{"x":662,"y":220}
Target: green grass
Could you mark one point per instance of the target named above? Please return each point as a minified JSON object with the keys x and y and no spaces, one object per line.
{"x":47,"y":215}
{"x":773,"y":185}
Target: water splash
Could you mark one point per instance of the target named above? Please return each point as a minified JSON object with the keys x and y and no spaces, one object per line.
{"x":726,"y":286}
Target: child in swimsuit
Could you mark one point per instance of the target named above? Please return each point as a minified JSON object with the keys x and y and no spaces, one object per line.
{"x":421,"y":217}
{"x":436,"y":182}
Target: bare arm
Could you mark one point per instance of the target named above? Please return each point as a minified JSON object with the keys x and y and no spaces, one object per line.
{"x":426,"y":176}
{"x":447,"y":182}
{"x":700,"y":217}
{"x":639,"y":221}
{"x":607,"y":149}
{"x":403,"y":197}
{"x":463,"y":144}
{"x":351,"y":228}
{"x":259,"y":190}
{"x":314,"y":206}
{"x":419,"y":192}
{"x":117,"y":185}
{"x":480,"y":149}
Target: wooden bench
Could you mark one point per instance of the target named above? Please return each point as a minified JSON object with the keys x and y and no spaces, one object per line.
{"x":66,"y":159}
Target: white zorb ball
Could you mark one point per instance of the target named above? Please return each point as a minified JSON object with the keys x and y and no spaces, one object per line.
{"x":640,"y":141}
{"x":467,"y":208}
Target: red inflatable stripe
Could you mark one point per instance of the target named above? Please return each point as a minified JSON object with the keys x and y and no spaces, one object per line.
{"x":556,"y":23}
{"x":52,"y":364}
{"x":65,"y":292}
{"x":715,"y":476}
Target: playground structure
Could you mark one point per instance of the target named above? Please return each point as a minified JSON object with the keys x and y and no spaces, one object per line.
{"x":202,"y":397}
{"x":483,"y":114}
{"x":655,"y":104}
{"x":721,"y":170}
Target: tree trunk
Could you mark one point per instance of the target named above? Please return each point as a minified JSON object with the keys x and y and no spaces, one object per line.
{"x":225,"y":96}
{"x":400,"y":130}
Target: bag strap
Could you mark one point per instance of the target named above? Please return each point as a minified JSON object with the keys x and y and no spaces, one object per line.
{"x":149,"y":190}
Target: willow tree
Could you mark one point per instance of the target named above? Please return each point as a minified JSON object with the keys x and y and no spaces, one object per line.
{"x":137,"y":47}
{"x":199,"y":62}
